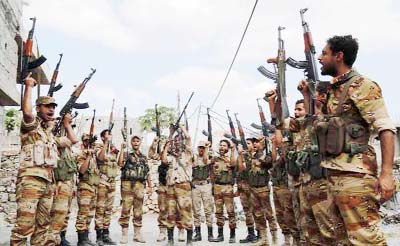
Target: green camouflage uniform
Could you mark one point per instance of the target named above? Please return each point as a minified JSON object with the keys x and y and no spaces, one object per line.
{"x":132,"y":189}
{"x":353,"y":172}
{"x":223,"y":190}
{"x":35,"y":183}
{"x":87,"y":192}
{"x":106,"y":190}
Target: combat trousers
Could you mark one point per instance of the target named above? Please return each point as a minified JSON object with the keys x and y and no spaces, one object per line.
{"x":355,"y":198}
{"x":245,"y":199}
{"x":202,"y":194}
{"x":132,"y":193}
{"x":179,"y":200}
{"x":319,"y":224}
{"x":223,"y":195}
{"x":34,"y":201}
{"x":60,"y":209}
{"x":86,"y":206}
{"x":260,"y":197}
{"x":284,"y":210}
{"x":297,"y":212}
{"x":163,"y":208}
{"x":104,"y":206}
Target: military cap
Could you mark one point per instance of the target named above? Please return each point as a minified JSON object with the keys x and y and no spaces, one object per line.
{"x":85,"y":136}
{"x":201,"y":144}
{"x":136,"y":136}
{"x":45,"y":100}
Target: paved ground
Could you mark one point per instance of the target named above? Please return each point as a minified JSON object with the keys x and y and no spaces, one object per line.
{"x":150,"y":231}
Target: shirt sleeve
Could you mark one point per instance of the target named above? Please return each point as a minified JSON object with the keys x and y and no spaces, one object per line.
{"x":63,"y":142}
{"x":367,"y":97}
{"x":27,"y":127}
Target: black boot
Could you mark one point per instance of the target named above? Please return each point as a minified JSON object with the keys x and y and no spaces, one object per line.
{"x":232,"y":238}
{"x":83,"y":239}
{"x":258,"y":235}
{"x":106,"y":238}
{"x":88,"y":240}
{"x":251,"y":237}
{"x":189,"y":237}
{"x":197,"y":236}
{"x":220,"y":237}
{"x":170,"y":235}
{"x":99,"y":237}
{"x":64,"y":241}
{"x":210,"y":234}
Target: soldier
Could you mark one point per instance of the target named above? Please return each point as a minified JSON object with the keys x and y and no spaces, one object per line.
{"x":89,"y":179}
{"x":134,"y":174}
{"x":245,"y":194}
{"x":108,"y":166}
{"x":260,"y":193}
{"x":354,"y":106}
{"x":179,"y":191}
{"x":223,"y":178}
{"x":202,"y":190}
{"x":38,"y":157}
{"x":64,"y":176}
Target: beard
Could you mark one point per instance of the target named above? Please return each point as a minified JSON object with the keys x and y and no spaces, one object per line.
{"x":329,"y":70}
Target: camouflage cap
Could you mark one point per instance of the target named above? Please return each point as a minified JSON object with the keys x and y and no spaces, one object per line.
{"x":136,"y":136}
{"x":45,"y":100}
{"x":201,"y":144}
{"x":85,"y":136}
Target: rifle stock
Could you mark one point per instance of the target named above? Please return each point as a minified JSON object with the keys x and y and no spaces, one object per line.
{"x":53,"y":87}
{"x":241,"y":133}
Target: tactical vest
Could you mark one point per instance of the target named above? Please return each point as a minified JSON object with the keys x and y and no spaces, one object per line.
{"x":43,"y":152}
{"x":162,"y":174}
{"x":343,"y":132}
{"x":135,"y":168}
{"x":92,"y":175}
{"x":244,"y":175}
{"x":258,"y":178}
{"x":201,"y":173}
{"x":66,"y":168}
{"x":279,"y":173}
{"x":109,"y":167}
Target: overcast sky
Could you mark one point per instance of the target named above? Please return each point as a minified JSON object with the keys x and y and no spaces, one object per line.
{"x":145,"y":51}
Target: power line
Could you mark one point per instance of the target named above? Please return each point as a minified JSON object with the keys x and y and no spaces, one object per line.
{"x":234,"y":57}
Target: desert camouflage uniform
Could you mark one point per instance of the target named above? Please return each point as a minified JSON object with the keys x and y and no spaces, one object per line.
{"x":202,"y":194}
{"x":132,"y":192}
{"x":87,"y":192}
{"x":352,"y":175}
{"x":179,"y":190}
{"x":245,"y":193}
{"x":106,"y":190}
{"x":35,"y":183}
{"x":223,"y":191}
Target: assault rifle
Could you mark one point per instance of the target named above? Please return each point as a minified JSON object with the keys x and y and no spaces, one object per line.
{"x":310,"y":64}
{"x":175,"y":126}
{"x":93,"y":138}
{"x":231,"y":125}
{"x":281,"y":107}
{"x":72,"y":104}
{"x":157,"y":129}
{"x":264,"y":125}
{"x":53,"y":87}
{"x":241,"y":133}
{"x":110,"y":124}
{"x":26,"y":62}
{"x":208,"y":133}
{"x":124,"y":129}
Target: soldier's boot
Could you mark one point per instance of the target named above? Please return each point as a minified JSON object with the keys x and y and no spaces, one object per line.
{"x":181,"y":235}
{"x":161,"y":237}
{"x":263,"y":241}
{"x":251,"y":237}
{"x":274,"y":237}
{"x":124,"y":237}
{"x":197,"y":235}
{"x":287,"y":240}
{"x":82,"y":239}
{"x":189,"y":237}
{"x":138,"y":235}
{"x":64,"y":241}
{"x":170,"y":235}
{"x":88,"y":240}
{"x":220,"y":237}
{"x":99,"y":237}
{"x":106,"y":238}
{"x":232,"y":237}
{"x":210,"y":234}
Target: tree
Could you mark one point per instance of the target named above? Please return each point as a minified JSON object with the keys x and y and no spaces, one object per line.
{"x":11,"y":120}
{"x":148,"y":120}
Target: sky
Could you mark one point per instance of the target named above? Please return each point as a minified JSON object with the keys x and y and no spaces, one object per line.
{"x":145,"y":51}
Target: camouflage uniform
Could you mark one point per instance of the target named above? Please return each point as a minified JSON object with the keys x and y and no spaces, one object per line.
{"x":35,"y":183}
{"x":132,"y":189}
{"x":223,"y":190}
{"x":353,"y":170}
{"x":87,"y":192}
{"x":106,"y":190}
{"x":245,"y":194}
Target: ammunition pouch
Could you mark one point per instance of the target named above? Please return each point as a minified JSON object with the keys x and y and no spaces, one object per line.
{"x":65,"y":170}
{"x":91,"y":177}
{"x":39,"y":154}
{"x":162,"y":174}
{"x":314,"y":164}
{"x":279,"y":175}
{"x":292,"y":167}
{"x":224,"y":178}
{"x":259,"y":178}
{"x":109,"y":168}
{"x":134,"y":172}
{"x":201,"y":173}
{"x":244,"y":175}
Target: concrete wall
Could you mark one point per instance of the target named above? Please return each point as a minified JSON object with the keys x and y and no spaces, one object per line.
{"x":10,"y":20}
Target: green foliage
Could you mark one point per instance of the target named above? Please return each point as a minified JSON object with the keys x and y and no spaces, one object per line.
{"x":148,"y":120}
{"x":11,"y":121}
